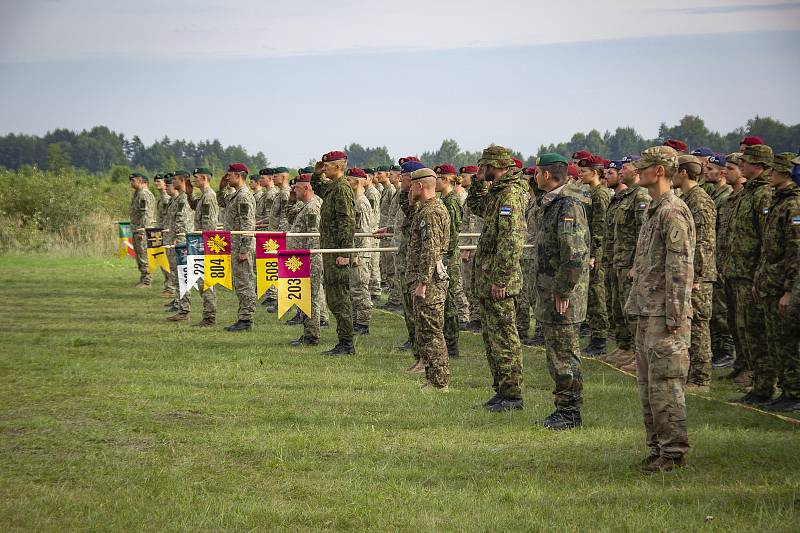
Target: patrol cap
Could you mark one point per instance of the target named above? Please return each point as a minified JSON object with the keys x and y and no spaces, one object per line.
{"x":551,"y":158}
{"x":783,"y":162}
{"x":734,"y":158}
{"x":280,"y":170}
{"x":690,"y":160}
{"x":497,"y":157}
{"x":703,"y":151}
{"x":657,"y":155}
{"x":679,"y":146}
{"x":410,"y":166}
{"x":203,"y":170}
{"x":758,"y":154}
{"x":356,"y":172}
{"x":422,"y":173}
{"x":718,"y":159}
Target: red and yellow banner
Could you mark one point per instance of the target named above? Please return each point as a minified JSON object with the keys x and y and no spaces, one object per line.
{"x":217,"y":259}
{"x":267,"y":260}
{"x":156,"y":253}
{"x":294,"y":281}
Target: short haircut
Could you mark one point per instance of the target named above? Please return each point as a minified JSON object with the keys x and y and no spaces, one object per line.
{"x":693,"y":170}
{"x":557,"y":170}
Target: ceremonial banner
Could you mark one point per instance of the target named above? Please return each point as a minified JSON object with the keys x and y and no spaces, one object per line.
{"x":217,"y":259}
{"x":181,"y":253}
{"x":294,"y":281}
{"x":266,"y":262}
{"x":125,"y":240}
{"x":156,"y":253}
{"x":194,"y":260}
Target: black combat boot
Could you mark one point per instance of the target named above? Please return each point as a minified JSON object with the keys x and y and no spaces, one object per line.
{"x":342,"y":348}
{"x":361,"y":329}
{"x":240,"y":325}
{"x":303,"y":341}
{"x":561,"y":420}
{"x":505,"y":404}
{"x":452,"y":352}
{"x":596,"y":347}
{"x":406,"y":346}
{"x":296,"y":320}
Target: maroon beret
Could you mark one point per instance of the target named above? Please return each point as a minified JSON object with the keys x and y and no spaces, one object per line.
{"x":447,"y":168}
{"x":304,"y":178}
{"x":606,"y":162}
{"x":336,"y":155}
{"x":752,"y":140}
{"x":676,"y":144}
{"x":238,"y":167}
{"x":593,"y":161}
{"x":357,"y":173}
{"x":407,"y":158}
{"x":517,"y":162}
{"x":529,"y":171}
{"x":582,"y":154}
{"x":471,"y":169}
{"x":573,"y":171}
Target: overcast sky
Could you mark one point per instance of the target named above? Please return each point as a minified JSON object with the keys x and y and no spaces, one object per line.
{"x":295,"y":79}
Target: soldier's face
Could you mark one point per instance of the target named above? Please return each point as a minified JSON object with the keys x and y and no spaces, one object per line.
{"x":134,"y":184}
{"x":711,"y":172}
{"x":612,"y":177}
{"x":779,"y":179}
{"x":649,"y":175}
{"x":587,"y":175}
{"x":170,"y":189}
{"x":732,"y":174}
{"x":466,"y":180}
{"x":628,"y":174}
{"x":749,"y":170}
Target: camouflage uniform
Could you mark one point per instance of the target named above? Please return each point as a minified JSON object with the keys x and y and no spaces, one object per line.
{"x":524,"y":303}
{"x":661,"y":298}
{"x":307,"y":221}
{"x":561,"y":267}
{"x":360,"y":273}
{"x":374,"y":197}
{"x":385,"y":221}
{"x":776,"y":275}
{"x":631,"y":209}
{"x":397,"y":216}
{"x":721,"y":339}
{"x":728,"y":293}
{"x":336,"y":228}
{"x":406,"y":217}
{"x":264,"y":207}
{"x":452,"y":261}
{"x":471,"y":223}
{"x":142,"y":210}
{"x":527,"y":264}
{"x":596,"y":305}
{"x":613,"y":304}
{"x":181,"y":220}
{"x":161,"y":222}
{"x":206,"y":216}
{"x":748,"y":218}
{"x":496,"y":262}
{"x":428,"y":244}
{"x":704,"y":216}
{"x":240,"y":215}
{"x":461,"y":293}
{"x":278,"y":220}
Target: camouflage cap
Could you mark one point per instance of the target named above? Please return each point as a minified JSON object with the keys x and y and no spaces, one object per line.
{"x":497,"y":157}
{"x":688,"y":159}
{"x":783,"y":162}
{"x":734,"y":158}
{"x":657,"y":155}
{"x":758,"y":154}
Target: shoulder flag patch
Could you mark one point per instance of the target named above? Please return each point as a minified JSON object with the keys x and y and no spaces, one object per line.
{"x":506,"y":210}
{"x":796,"y":220}
{"x":642,"y":205}
{"x":766,"y":210}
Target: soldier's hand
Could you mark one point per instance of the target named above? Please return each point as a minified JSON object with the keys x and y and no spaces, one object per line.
{"x":242,"y":257}
{"x":783,"y":303}
{"x":561,"y":304}
{"x":591,"y":263}
{"x":465,"y":255}
{"x":630,"y":274}
{"x":672,"y":330}
{"x":421,"y":291}
{"x":498,"y":293}
{"x":381,"y":231}
{"x":318,"y":166}
{"x":756,"y":296}
{"x":695,"y":286}
{"x":342,"y":261}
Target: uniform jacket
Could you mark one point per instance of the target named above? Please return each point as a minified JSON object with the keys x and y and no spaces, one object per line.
{"x":337,"y":215}
{"x":780,"y":251}
{"x":240,"y":215}
{"x":143,"y":205}
{"x":704,"y":214}
{"x":427,"y":246}
{"x":747,"y":221}
{"x":633,"y":204}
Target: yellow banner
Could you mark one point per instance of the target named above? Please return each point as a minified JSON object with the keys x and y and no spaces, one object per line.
{"x":294,"y":291}
{"x":217,"y":271}
{"x":126,"y":247}
{"x":266,"y":274}
{"x":157,"y":257}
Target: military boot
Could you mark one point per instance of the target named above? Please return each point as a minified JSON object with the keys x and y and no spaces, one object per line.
{"x":596,"y":347}
{"x":405,"y":346}
{"x":180,"y":317}
{"x":474,"y":326}
{"x":417,"y":368}
{"x":452,"y":352}
{"x":785,"y":404}
{"x":751,"y":398}
{"x":296,"y":320}
{"x":585,"y":330}
{"x":240,"y":325}
{"x":561,"y":420}
{"x":303,"y":341}
{"x":662,"y":464}
{"x":206,"y":323}
{"x":342,"y":348}
{"x":361,"y":329}
{"x":493,"y":400}
{"x":506,"y":404}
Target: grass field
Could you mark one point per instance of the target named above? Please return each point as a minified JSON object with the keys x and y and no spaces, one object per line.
{"x":113,"y":419}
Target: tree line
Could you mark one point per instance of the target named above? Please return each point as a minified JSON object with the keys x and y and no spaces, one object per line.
{"x":101,"y":150}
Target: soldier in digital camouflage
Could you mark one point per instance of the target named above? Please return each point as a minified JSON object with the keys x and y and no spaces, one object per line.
{"x":660,"y":297}
{"x":169,"y":240}
{"x":615,"y":312}
{"x":445,"y":179}
{"x":374,"y":197}
{"x":775,"y":280}
{"x":361,"y":269}
{"x":497,"y":196}
{"x":336,"y":229}
{"x":162,"y":204}
{"x":427,"y":273}
{"x":181,"y":221}
{"x":745,"y":236}
{"x":470,"y":223}
{"x":142,"y":210}
{"x":206,"y":218}
{"x":561,"y":283}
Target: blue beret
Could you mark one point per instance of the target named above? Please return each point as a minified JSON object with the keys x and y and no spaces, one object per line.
{"x":718,"y":160}
{"x":410,"y":166}
{"x":630,"y":158}
{"x":615,"y":164}
{"x":703,"y":151}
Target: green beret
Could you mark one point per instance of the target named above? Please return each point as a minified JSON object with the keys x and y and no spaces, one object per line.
{"x":383,"y":168}
{"x":202,"y":170}
{"x":135,"y":175}
{"x":396,"y":168}
{"x":496,"y":156}
{"x":144,"y":177}
{"x":158,"y":177}
{"x":760,"y":154}
{"x":306,"y":170}
{"x":254,"y":177}
{"x":657,"y":155}
{"x":551,"y":158}
{"x":280,"y":170}
{"x":168,"y":178}
{"x":783,"y":162}
{"x":181,"y":172}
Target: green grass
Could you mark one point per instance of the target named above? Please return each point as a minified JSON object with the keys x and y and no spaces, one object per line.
{"x":113,"y":419}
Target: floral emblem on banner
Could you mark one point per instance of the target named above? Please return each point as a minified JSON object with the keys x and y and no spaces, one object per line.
{"x":270,"y":246}
{"x":216,"y":244}
{"x":293,"y":263}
